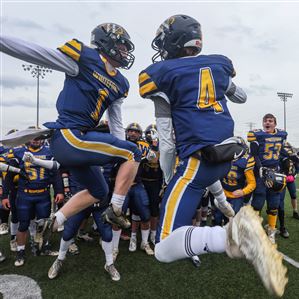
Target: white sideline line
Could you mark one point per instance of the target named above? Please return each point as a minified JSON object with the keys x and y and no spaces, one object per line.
{"x":290,"y":260}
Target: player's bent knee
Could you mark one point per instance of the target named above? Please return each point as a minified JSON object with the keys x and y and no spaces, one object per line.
{"x":106,"y":235}
{"x":100,"y":194}
{"x":160,"y":253}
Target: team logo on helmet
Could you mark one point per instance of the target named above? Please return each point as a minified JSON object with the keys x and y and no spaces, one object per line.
{"x":108,"y":38}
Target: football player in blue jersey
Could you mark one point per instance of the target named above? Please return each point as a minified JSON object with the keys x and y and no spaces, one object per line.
{"x":33,"y":195}
{"x":72,"y":225}
{"x":8,"y":199}
{"x":266,"y":146}
{"x":152,"y":178}
{"x":189,"y":93}
{"x":239,"y":182}
{"x":287,"y":167}
{"x":4,"y":213}
{"x":93,"y":84}
{"x":137,"y":199}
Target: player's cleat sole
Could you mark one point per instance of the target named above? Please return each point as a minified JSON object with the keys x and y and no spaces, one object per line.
{"x":114,"y":274}
{"x":55,"y":269}
{"x":247,"y":238}
{"x":120,"y":220}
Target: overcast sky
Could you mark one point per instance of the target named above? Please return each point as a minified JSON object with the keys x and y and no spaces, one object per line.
{"x":261,"y":38}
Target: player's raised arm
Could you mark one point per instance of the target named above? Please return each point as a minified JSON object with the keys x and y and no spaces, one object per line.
{"x":48,"y":164}
{"x":36,"y":54}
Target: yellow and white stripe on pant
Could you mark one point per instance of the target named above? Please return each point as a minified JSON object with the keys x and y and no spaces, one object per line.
{"x":176,"y":195}
{"x":96,"y":147}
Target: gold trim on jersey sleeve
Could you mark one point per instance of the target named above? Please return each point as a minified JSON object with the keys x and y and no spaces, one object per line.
{"x":251,"y":136}
{"x":72,"y":49}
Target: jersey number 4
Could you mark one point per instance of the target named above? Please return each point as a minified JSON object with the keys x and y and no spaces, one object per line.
{"x":207,"y":91}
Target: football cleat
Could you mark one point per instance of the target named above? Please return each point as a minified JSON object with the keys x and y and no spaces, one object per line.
{"x":20,"y":258}
{"x":114,"y":274}
{"x":55,"y":269}
{"x":13,"y":245}
{"x":83,"y":236}
{"x":49,"y":252}
{"x":3,"y":229}
{"x":73,"y":249}
{"x":120,"y":220}
{"x":247,"y":238}
{"x":284,"y":232}
{"x":147,"y":248}
{"x":195,"y":261}
{"x":225,"y":208}
{"x":133,"y":244}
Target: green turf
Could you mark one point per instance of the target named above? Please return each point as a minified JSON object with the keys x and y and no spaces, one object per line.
{"x":83,"y":276}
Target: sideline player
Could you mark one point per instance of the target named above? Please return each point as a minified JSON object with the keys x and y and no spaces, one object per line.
{"x":189,"y":91}
{"x":92,"y":85}
{"x":266,"y":146}
{"x":33,"y":195}
{"x":239,"y":182}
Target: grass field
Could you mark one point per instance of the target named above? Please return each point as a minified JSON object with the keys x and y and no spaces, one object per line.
{"x":83,"y":276}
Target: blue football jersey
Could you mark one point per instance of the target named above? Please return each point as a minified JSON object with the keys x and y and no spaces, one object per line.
{"x":38,"y":177}
{"x":236,"y":179}
{"x":85,"y":97}
{"x":195,"y":88}
{"x":270,"y":145}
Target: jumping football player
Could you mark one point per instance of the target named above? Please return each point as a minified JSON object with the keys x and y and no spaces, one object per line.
{"x":93,"y":84}
{"x":189,"y":92}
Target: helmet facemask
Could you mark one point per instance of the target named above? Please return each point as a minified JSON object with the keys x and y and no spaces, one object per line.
{"x":114,"y":41}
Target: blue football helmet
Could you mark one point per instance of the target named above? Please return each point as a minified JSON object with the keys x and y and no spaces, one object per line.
{"x":108,"y":38}
{"x":176,"y":33}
